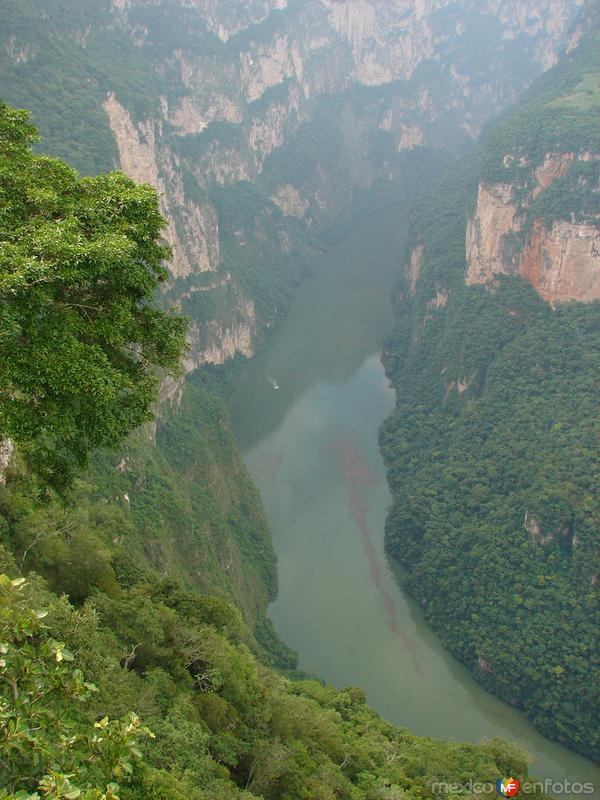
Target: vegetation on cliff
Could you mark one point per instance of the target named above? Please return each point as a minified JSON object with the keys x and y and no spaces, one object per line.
{"x":216,"y":723}
{"x":124,"y":673}
{"x":82,"y":351}
{"x":80,"y":261}
{"x":493,"y":448}
{"x":156,"y":568}
{"x":559,"y":113}
{"x":60,"y":60}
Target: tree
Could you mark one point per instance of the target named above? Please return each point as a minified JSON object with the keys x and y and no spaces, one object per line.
{"x":47,"y":744}
{"x":80,"y":341}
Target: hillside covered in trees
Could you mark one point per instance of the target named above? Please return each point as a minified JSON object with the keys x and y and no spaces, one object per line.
{"x":136,"y":658}
{"x":493,"y":448}
{"x":117,"y":681}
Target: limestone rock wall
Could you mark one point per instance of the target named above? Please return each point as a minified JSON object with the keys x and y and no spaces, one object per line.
{"x":263,"y":69}
{"x":560,"y":258}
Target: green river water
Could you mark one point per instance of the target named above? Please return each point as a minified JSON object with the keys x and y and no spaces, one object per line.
{"x":311,"y":447}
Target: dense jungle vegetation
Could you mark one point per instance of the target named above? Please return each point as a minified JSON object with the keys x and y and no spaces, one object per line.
{"x":124,"y":673}
{"x":136,"y":660}
{"x":494,"y":449}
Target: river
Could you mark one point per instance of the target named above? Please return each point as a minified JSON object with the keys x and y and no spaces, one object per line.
{"x":311,"y":448}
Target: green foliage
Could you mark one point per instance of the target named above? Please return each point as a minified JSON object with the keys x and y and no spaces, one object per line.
{"x":274,"y":23}
{"x":495,"y":506}
{"x":170,"y":646}
{"x":60,"y":58}
{"x":224,"y":727}
{"x":574,"y":196}
{"x":79,"y":264}
{"x":266,"y":252}
{"x":560,"y":113}
{"x":317,"y":142}
{"x":493,"y":449}
{"x":47,"y":743}
{"x":225,"y":134}
{"x":158,"y":540}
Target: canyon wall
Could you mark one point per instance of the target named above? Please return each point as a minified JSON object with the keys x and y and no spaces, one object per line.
{"x":560,"y":253}
{"x":495,"y":362}
{"x":537,"y":213}
{"x":326,"y":107}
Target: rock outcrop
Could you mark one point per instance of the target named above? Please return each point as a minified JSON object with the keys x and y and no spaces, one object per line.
{"x":563,"y":263}
{"x":314,"y":103}
{"x":560,"y":257}
{"x":6,"y":452}
{"x":495,"y":218}
{"x":146,"y":159}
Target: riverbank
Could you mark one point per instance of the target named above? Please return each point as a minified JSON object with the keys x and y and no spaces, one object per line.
{"x":311,"y":448}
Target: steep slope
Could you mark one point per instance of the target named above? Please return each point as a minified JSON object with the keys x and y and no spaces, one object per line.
{"x":176,"y":500}
{"x":140,"y":607}
{"x":493,"y":449}
{"x":326,"y":107}
{"x":221,"y":725}
{"x":263,"y":125}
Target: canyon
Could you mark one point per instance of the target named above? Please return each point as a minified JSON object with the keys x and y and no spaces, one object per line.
{"x":272,"y":130}
{"x":560,"y":258}
{"x":327,"y":107}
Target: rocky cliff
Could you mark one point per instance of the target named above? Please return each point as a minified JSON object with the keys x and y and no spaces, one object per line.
{"x":494,"y":437}
{"x":325,"y":106}
{"x":538,"y":205}
{"x":558,"y":253}
{"x":264,"y":124}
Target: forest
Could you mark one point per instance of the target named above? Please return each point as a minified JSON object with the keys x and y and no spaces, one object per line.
{"x":118,"y":679}
{"x":137,"y":660}
{"x":493,"y":449}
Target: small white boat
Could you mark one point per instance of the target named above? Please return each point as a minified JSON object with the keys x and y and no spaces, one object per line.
{"x":274,"y":384}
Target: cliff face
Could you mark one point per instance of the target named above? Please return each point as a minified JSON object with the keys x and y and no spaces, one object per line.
{"x":563,"y":263}
{"x":146,"y":159}
{"x":494,"y":435}
{"x":317,"y":103}
{"x":494,"y":219}
{"x":559,"y":256}
{"x":282,"y":61}
{"x":537,"y":213}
